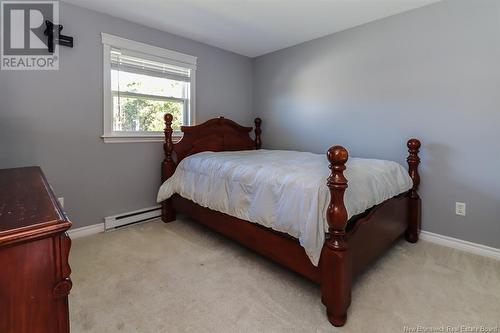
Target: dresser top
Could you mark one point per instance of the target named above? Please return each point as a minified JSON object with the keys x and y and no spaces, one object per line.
{"x":28,"y":207}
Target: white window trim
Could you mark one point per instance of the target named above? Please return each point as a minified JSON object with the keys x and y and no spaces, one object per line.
{"x":149,"y":52}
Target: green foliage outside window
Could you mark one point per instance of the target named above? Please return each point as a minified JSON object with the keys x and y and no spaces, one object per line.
{"x":144,"y":114}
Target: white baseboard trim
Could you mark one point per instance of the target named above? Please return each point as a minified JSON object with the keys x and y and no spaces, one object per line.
{"x":455,"y":243}
{"x":86,"y":231}
{"x":111,"y":222}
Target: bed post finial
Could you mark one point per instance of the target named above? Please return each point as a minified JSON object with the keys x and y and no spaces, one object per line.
{"x":168,"y":168}
{"x":258,"y":131}
{"x":414,"y":220}
{"x":335,"y":259}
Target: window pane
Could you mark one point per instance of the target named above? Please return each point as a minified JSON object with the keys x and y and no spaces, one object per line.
{"x":148,"y":85}
{"x":142,"y":114}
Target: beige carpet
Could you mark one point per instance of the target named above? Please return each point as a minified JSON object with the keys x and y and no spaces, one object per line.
{"x":180,"y":277}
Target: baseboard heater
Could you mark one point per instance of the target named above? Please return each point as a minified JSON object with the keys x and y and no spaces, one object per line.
{"x":137,"y":216}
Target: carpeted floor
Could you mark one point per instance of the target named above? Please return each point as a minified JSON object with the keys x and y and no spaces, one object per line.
{"x":181,"y":277}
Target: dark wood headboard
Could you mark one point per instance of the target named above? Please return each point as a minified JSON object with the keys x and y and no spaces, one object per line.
{"x":218,"y":134}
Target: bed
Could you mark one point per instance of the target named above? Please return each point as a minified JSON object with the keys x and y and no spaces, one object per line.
{"x":276,"y":202}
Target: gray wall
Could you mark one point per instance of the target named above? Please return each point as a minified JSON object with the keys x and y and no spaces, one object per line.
{"x":54,"y":118}
{"x":432,"y":73}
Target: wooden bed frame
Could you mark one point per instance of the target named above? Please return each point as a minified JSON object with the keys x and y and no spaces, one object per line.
{"x":350,"y":246}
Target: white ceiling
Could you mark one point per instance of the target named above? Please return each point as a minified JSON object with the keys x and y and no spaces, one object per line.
{"x":251,"y":27}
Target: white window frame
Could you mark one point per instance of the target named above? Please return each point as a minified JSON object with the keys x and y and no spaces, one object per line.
{"x":151,"y":53}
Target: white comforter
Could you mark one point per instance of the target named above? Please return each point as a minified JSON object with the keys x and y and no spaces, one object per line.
{"x":282,"y":190}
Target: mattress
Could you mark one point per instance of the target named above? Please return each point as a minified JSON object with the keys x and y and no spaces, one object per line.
{"x":281,"y":189}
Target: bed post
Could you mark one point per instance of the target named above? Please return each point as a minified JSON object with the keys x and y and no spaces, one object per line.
{"x":335,"y":262}
{"x":167,"y":169}
{"x":414,"y":217}
{"x":258,"y":131}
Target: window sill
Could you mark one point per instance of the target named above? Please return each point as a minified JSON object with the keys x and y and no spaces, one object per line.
{"x":138,"y":138}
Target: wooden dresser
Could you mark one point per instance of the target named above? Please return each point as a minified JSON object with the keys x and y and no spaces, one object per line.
{"x":34,"y":249}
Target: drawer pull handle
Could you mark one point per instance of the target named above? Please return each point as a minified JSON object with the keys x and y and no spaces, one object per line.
{"x":62,"y":288}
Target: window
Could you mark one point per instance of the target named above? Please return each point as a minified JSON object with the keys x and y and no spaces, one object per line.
{"x":141,"y":84}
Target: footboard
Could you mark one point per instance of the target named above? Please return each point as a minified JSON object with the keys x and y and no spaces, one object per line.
{"x":347,"y":252}
{"x":373,"y":233}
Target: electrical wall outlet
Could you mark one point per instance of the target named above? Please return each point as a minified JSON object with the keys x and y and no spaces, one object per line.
{"x":460,"y":208}
{"x":61,"y":201}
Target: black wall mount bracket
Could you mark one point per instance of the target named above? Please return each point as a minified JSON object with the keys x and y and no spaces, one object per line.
{"x":55,"y":37}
